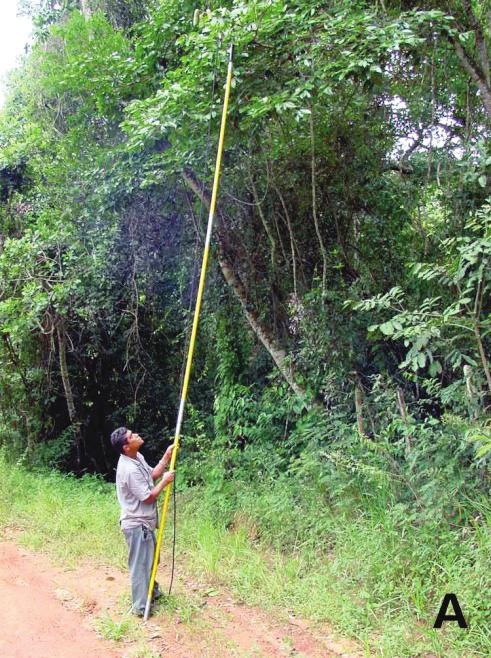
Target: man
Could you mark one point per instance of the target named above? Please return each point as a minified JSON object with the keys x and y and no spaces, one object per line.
{"x":137,"y":493}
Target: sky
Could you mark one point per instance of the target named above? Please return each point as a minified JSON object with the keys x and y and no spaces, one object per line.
{"x":14,"y":34}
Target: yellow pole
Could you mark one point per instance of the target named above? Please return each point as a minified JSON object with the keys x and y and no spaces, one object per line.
{"x":194,"y":331}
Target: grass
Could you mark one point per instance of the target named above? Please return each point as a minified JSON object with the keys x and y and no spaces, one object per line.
{"x":116,"y":629}
{"x":378,"y":578}
{"x":125,"y":628}
{"x":182,"y":604}
{"x":143,"y":652}
{"x":384,"y":578}
{"x":68,"y":518}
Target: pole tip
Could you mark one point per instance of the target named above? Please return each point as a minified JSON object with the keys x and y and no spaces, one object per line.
{"x":231,"y":52}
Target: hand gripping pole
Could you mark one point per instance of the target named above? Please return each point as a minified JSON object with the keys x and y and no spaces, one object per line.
{"x":194,"y":331}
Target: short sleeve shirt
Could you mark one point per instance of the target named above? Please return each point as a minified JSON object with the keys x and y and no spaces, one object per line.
{"x":134,"y":484}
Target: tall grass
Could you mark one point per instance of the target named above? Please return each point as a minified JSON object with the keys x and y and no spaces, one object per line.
{"x":69,"y":518}
{"x":376,"y":576}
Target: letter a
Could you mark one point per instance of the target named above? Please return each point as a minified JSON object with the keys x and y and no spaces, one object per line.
{"x":442,"y":613}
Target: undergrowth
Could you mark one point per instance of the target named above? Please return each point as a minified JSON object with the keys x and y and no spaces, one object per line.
{"x":376,"y":573}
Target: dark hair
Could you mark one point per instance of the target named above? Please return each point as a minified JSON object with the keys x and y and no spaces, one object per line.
{"x":118,"y":439}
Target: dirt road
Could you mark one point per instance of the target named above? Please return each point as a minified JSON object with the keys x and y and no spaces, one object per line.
{"x":47,"y":612}
{"x":34,"y":622}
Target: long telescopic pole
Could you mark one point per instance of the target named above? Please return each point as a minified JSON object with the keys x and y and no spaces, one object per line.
{"x":194,"y":331}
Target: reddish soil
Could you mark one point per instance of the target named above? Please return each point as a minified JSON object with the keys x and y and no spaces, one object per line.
{"x":48,"y":612}
{"x":34,"y":623}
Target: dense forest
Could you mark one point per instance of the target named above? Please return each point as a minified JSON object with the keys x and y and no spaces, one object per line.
{"x":344,"y":344}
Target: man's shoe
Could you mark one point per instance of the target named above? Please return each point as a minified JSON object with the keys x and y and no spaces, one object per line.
{"x":157,"y":592}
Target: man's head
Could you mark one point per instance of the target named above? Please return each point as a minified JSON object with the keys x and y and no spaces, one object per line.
{"x":125,"y":441}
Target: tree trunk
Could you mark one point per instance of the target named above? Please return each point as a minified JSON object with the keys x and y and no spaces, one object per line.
{"x":401,"y":403}
{"x":67,"y":387}
{"x":31,"y":403}
{"x":266,"y":226}
{"x":482,"y":354}
{"x":277,"y":353}
{"x":359,"y":401}
{"x":314,"y":203}
{"x":290,"y":233}
{"x":472,"y":394}
{"x":474,"y":70}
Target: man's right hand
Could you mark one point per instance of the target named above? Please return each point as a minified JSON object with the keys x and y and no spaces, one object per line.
{"x":168,"y":477}
{"x":158,"y":488}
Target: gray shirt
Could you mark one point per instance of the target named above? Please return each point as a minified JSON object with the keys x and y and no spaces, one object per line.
{"x":134,"y":484}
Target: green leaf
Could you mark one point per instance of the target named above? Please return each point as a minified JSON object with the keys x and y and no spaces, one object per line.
{"x":435,"y":368}
{"x":483,"y":450}
{"x":387,"y":328}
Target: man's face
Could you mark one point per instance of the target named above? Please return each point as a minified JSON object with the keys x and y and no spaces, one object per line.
{"x":133,"y":442}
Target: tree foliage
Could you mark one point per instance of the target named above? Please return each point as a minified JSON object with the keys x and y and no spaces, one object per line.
{"x":352,"y":244}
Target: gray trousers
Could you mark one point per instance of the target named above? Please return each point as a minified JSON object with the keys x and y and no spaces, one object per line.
{"x":141,"y":547}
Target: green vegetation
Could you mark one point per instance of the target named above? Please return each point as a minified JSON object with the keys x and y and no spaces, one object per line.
{"x":377,"y":575}
{"x":116,"y":630}
{"x":70,"y":519}
{"x":338,"y":426}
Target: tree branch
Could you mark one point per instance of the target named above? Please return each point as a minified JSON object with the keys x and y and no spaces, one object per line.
{"x":277,"y":353}
{"x":477,"y":75}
